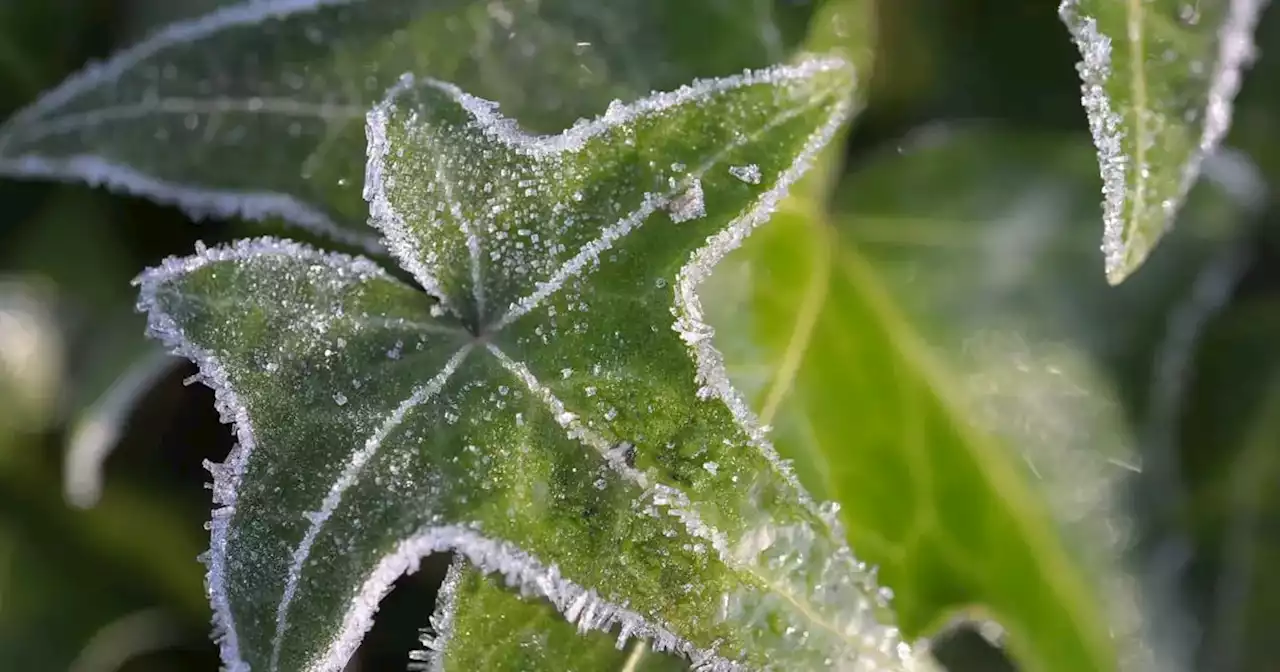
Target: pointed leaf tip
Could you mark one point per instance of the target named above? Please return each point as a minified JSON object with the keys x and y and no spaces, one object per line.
{"x":1158,"y":81}
{"x":544,"y":416}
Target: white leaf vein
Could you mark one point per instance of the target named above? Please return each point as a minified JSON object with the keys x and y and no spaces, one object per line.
{"x":350,"y":473}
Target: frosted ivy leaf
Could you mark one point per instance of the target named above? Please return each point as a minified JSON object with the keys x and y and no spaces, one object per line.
{"x":180,"y":116}
{"x":546,"y":410}
{"x":1159,"y":78}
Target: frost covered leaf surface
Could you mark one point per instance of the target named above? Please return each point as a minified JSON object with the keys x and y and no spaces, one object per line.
{"x":177,"y":117}
{"x":1159,"y":78}
{"x":481,"y":624}
{"x":552,"y":411}
{"x":936,"y":369}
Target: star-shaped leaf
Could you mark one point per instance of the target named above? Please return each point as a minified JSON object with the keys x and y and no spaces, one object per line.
{"x":1159,"y":78}
{"x":553,"y":410}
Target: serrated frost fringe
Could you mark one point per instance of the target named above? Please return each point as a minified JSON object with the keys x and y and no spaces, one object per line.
{"x":1104,"y":124}
{"x":1236,"y":51}
{"x":226,"y":476}
{"x":355,"y":465}
{"x":440,"y":624}
{"x":712,"y":375}
{"x":507,"y":132}
{"x":582,"y":607}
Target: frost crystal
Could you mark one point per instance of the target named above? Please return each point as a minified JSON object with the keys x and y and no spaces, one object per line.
{"x":689,"y":205}
{"x":1104,"y":124}
{"x":749,"y":173}
{"x":1157,"y":84}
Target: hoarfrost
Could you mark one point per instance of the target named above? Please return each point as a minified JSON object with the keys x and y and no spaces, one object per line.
{"x":1156,"y":119}
{"x":749,"y":173}
{"x":436,"y":638}
{"x":1106,"y":127}
{"x":581,"y":606}
{"x":801,"y":562}
{"x":689,"y":205}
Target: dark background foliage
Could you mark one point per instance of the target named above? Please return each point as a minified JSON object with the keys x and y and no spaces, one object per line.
{"x":121,"y":579}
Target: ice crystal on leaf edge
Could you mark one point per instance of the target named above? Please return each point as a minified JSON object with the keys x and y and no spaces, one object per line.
{"x":521,"y":570}
{"x":1126,"y":176}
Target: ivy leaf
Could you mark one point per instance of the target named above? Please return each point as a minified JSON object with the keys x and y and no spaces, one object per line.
{"x":554,"y":411}
{"x":1159,"y":79}
{"x":175,"y":118}
{"x":935,"y":365}
{"x":482,"y":625}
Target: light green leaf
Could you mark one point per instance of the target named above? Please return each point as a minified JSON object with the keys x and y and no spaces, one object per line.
{"x":555,"y":414}
{"x":177,"y":117}
{"x":1159,"y":78}
{"x":936,"y":369}
{"x":482,"y":625}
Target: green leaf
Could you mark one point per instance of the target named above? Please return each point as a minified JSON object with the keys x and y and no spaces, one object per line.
{"x":1159,"y":78}
{"x":555,"y":413}
{"x":482,"y":625}
{"x":936,"y":367}
{"x":490,"y":632}
{"x":177,"y":117}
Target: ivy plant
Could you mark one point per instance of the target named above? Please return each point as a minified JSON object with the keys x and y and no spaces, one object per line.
{"x":508,"y":358}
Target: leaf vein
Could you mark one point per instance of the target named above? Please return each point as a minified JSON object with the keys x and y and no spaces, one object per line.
{"x":345,"y":480}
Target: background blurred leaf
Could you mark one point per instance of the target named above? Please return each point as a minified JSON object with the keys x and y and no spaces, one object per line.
{"x":966,"y":276}
{"x":1233,"y":410}
{"x":170,"y":118}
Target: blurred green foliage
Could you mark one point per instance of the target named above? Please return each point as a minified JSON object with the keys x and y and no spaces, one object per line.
{"x":117,"y":586}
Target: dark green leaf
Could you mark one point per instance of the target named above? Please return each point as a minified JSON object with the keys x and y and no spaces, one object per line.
{"x":556,"y":414}
{"x":177,"y":117}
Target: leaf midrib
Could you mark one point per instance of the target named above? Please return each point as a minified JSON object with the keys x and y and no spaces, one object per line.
{"x":910,"y":346}
{"x":1138,"y":79}
{"x":1034,"y":524}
